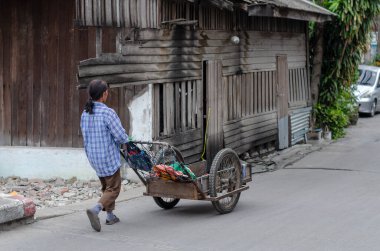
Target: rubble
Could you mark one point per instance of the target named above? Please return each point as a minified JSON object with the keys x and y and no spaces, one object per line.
{"x":56,"y":192}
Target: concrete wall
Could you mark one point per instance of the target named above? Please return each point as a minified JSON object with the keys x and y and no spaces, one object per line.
{"x":41,"y":162}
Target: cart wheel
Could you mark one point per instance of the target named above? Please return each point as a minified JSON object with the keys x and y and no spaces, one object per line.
{"x":165,"y":203}
{"x":167,"y":156}
{"x":225,"y":177}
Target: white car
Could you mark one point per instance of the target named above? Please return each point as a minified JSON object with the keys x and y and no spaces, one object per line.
{"x":368,"y":89}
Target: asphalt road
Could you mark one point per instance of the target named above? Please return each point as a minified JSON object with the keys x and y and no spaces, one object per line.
{"x":329,"y":200}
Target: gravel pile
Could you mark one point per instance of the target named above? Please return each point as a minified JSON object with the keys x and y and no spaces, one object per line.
{"x":56,"y":192}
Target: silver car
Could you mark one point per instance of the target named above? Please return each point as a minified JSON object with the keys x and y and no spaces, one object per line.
{"x":368,"y":89}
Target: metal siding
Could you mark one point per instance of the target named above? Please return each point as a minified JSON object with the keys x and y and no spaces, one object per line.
{"x":300,"y":123}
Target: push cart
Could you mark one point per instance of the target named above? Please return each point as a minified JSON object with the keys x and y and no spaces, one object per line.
{"x":221,"y":183}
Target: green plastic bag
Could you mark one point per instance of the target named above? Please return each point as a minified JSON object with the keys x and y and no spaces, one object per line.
{"x":184,"y":169}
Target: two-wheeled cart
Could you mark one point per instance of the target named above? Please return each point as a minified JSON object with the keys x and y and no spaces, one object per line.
{"x":222,"y":184}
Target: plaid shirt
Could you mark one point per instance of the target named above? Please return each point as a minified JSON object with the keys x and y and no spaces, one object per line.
{"x":102,"y":135}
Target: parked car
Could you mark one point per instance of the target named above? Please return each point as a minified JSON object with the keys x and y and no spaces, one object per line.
{"x":368,"y":89}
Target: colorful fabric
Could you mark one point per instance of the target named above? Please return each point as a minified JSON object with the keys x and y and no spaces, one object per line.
{"x":175,"y":172}
{"x":138,"y":158}
{"x":102,"y":135}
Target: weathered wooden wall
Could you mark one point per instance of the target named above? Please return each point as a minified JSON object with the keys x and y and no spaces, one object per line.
{"x":246,"y":94}
{"x":39,"y":52}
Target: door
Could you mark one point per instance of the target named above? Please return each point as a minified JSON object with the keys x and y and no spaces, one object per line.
{"x":282,"y":101}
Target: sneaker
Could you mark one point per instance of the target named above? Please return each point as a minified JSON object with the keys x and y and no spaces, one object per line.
{"x":113,"y":221}
{"x":94,"y":220}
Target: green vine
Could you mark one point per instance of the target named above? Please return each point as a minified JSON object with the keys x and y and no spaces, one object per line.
{"x":345,"y":41}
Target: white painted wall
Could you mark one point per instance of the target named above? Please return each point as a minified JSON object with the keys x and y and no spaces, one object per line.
{"x":140,"y":109}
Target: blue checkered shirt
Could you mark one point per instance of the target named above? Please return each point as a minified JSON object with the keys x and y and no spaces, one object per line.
{"x":102,"y":135}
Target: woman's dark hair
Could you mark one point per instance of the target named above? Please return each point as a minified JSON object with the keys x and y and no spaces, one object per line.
{"x":95,"y":90}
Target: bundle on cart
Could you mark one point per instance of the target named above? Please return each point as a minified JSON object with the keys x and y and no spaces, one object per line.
{"x":138,"y":158}
{"x":176,"y":172}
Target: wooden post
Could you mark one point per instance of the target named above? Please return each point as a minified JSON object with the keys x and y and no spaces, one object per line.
{"x":282,"y":97}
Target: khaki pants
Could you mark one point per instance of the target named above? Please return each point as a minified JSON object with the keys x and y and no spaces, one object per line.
{"x":111,"y":188}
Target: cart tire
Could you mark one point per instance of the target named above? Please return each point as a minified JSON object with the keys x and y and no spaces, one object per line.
{"x":225,"y":159}
{"x":166,"y":203}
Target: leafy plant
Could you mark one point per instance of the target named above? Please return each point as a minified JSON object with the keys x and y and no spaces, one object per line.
{"x":345,"y":40}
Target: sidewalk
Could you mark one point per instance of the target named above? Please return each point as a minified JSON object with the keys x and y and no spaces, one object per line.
{"x":18,"y":209}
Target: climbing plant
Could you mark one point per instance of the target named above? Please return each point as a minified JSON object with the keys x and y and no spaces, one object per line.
{"x":345,"y":40}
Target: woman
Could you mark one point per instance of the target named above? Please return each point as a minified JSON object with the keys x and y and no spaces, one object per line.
{"x":102,"y":135}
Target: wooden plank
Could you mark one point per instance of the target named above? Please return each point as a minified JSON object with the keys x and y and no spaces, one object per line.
{"x":304,"y":84}
{"x":177,"y":106}
{"x":171,"y":189}
{"x":226,"y":99}
{"x":194,"y":102}
{"x":248,"y":120}
{"x":250,"y":93}
{"x":165,"y":109}
{"x":307,"y":79}
{"x":69,"y":74}
{"x":156,"y":111}
{"x":250,"y":137}
{"x":248,"y":130}
{"x":183,"y":138}
{"x":243,"y":95}
{"x":234,"y":97}
{"x":295,"y":85}
{"x":137,"y":77}
{"x":2,"y":85}
{"x":230,"y":98}
{"x":14,"y":59}
{"x":22,"y":75}
{"x":53,"y":56}
{"x":143,"y":13}
{"x":170,"y":107}
{"x":60,"y":75}
{"x":136,"y":49}
{"x":260,"y":92}
{"x":245,"y":147}
{"x":112,"y":58}
{"x":220,"y":101}
{"x":35,"y":83}
{"x":200,"y":104}
{"x":70,"y":77}
{"x":189,"y":145}
{"x":88,"y":13}
{"x":6,"y":17}
{"x":265,"y":91}
{"x":183,"y":106}
{"x":238,"y":97}
{"x":255,"y":93}
{"x":272,"y":90}
{"x":237,"y":123}
{"x":189,"y":104}
{"x":196,"y":150}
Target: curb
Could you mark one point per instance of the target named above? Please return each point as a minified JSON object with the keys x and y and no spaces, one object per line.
{"x":15,"y":207}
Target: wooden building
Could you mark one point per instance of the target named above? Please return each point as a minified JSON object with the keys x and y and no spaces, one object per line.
{"x":212,"y":72}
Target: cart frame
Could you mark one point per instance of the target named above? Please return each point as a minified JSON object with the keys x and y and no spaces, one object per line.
{"x":227,"y":179}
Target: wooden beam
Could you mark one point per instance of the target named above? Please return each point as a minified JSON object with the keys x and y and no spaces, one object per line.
{"x":282,"y":12}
